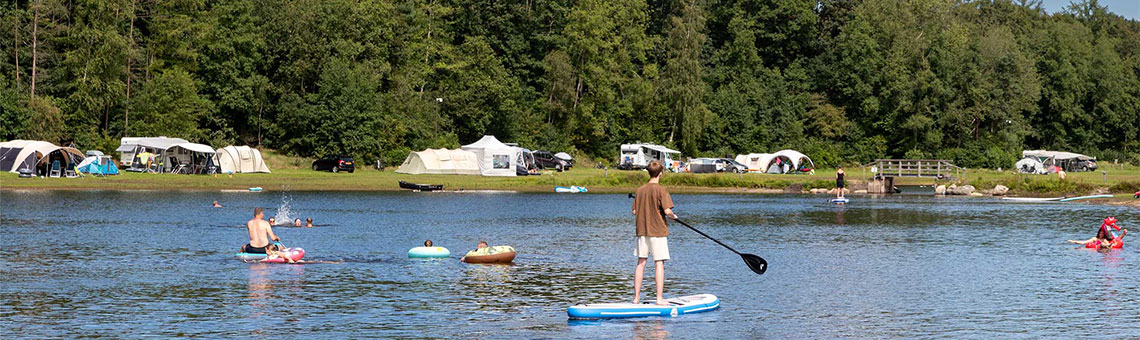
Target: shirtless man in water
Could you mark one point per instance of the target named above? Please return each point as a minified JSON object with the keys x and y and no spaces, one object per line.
{"x":258,"y":229}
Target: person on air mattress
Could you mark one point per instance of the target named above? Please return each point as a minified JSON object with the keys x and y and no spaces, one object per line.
{"x":650,"y":206}
{"x":1104,"y":237}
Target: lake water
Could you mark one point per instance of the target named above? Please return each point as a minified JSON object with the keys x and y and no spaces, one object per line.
{"x":107,"y":264}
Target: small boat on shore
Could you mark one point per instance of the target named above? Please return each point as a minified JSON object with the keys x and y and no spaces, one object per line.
{"x":421,"y":187}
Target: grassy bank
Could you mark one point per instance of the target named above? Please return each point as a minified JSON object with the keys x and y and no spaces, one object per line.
{"x":1120,"y":181}
{"x":293,"y":173}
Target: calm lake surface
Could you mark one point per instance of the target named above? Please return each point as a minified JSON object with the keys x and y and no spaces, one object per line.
{"x":107,"y":264}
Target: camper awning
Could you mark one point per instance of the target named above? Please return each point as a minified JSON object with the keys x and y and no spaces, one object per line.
{"x":661,"y":149}
{"x":195,"y":147}
{"x":1058,"y":155}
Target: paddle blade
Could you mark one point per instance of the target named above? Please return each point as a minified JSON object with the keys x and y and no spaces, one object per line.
{"x":756,"y":263}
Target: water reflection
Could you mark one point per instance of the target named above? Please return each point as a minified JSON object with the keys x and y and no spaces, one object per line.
{"x":650,"y":329}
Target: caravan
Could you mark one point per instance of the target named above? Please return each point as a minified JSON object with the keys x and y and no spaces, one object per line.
{"x":638,"y":156}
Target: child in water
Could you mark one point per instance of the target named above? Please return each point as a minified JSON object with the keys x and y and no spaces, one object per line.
{"x":1104,"y":237}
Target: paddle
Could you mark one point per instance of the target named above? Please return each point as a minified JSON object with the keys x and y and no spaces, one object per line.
{"x":755,"y":263}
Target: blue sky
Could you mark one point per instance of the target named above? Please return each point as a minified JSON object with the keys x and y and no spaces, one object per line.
{"x":1126,"y":8}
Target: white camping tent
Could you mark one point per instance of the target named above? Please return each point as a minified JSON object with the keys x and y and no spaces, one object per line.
{"x":239,"y":159}
{"x":755,"y":161}
{"x":1030,"y":165}
{"x":131,"y":147}
{"x":440,"y":162}
{"x":23,"y":154}
{"x":494,"y":157}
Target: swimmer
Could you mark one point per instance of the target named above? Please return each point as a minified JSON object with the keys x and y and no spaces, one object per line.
{"x":297,"y":222}
{"x":272,"y":221}
{"x":216,"y":205}
{"x":309,"y":222}
{"x":427,"y":243}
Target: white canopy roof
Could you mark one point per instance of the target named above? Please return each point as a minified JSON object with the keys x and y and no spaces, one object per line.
{"x":494,"y":157}
{"x":195,"y":147}
{"x":796,"y":157}
{"x":1059,"y":155}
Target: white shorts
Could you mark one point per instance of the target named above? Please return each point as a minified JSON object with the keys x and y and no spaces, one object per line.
{"x":658,"y":246}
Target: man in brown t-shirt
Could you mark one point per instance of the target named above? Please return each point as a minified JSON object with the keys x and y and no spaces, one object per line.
{"x":650,"y":206}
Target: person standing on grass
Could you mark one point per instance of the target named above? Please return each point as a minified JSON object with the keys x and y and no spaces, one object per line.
{"x":650,"y":206}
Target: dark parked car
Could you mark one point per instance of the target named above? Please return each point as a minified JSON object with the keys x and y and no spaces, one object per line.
{"x":1085,"y":165}
{"x":334,"y":163}
{"x":547,"y":160}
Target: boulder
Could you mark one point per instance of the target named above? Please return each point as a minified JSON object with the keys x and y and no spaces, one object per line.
{"x":860,"y":192}
{"x":962,"y":190}
{"x":976,"y":194}
{"x":999,"y":190}
{"x":940,"y":190}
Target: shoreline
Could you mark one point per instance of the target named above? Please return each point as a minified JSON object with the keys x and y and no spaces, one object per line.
{"x":597,"y":181}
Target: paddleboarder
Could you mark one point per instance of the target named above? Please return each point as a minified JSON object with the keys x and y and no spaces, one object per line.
{"x":650,"y":206}
{"x":839,"y":183}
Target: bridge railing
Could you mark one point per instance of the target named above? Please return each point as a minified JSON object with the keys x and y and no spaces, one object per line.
{"x":937,"y":168}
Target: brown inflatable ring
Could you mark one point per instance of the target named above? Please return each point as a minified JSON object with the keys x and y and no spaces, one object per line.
{"x":493,"y":258}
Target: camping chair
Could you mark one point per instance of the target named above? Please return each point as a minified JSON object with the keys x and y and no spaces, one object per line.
{"x":71,"y":173}
{"x":55,"y":173}
{"x":175,"y":166}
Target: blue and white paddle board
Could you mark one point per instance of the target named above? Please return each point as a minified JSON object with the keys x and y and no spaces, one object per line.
{"x":677,"y":306}
{"x":1070,"y":199}
{"x":839,"y":200}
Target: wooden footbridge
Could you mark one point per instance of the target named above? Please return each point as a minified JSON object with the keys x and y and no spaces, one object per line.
{"x":885,"y":170}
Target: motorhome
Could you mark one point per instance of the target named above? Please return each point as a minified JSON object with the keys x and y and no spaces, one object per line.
{"x":638,"y":156}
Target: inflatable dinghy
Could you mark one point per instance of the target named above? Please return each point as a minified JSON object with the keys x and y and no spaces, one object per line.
{"x":677,"y":306}
{"x":496,"y":254}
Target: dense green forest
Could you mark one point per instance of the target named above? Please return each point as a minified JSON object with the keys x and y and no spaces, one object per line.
{"x":844,"y":81}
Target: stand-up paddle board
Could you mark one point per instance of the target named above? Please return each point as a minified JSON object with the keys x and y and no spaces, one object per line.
{"x":1032,"y":199}
{"x":1084,"y":198}
{"x":677,"y":306}
{"x":839,"y":200}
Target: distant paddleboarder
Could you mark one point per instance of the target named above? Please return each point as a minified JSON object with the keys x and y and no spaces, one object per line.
{"x":839,"y":183}
{"x":650,"y":207}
